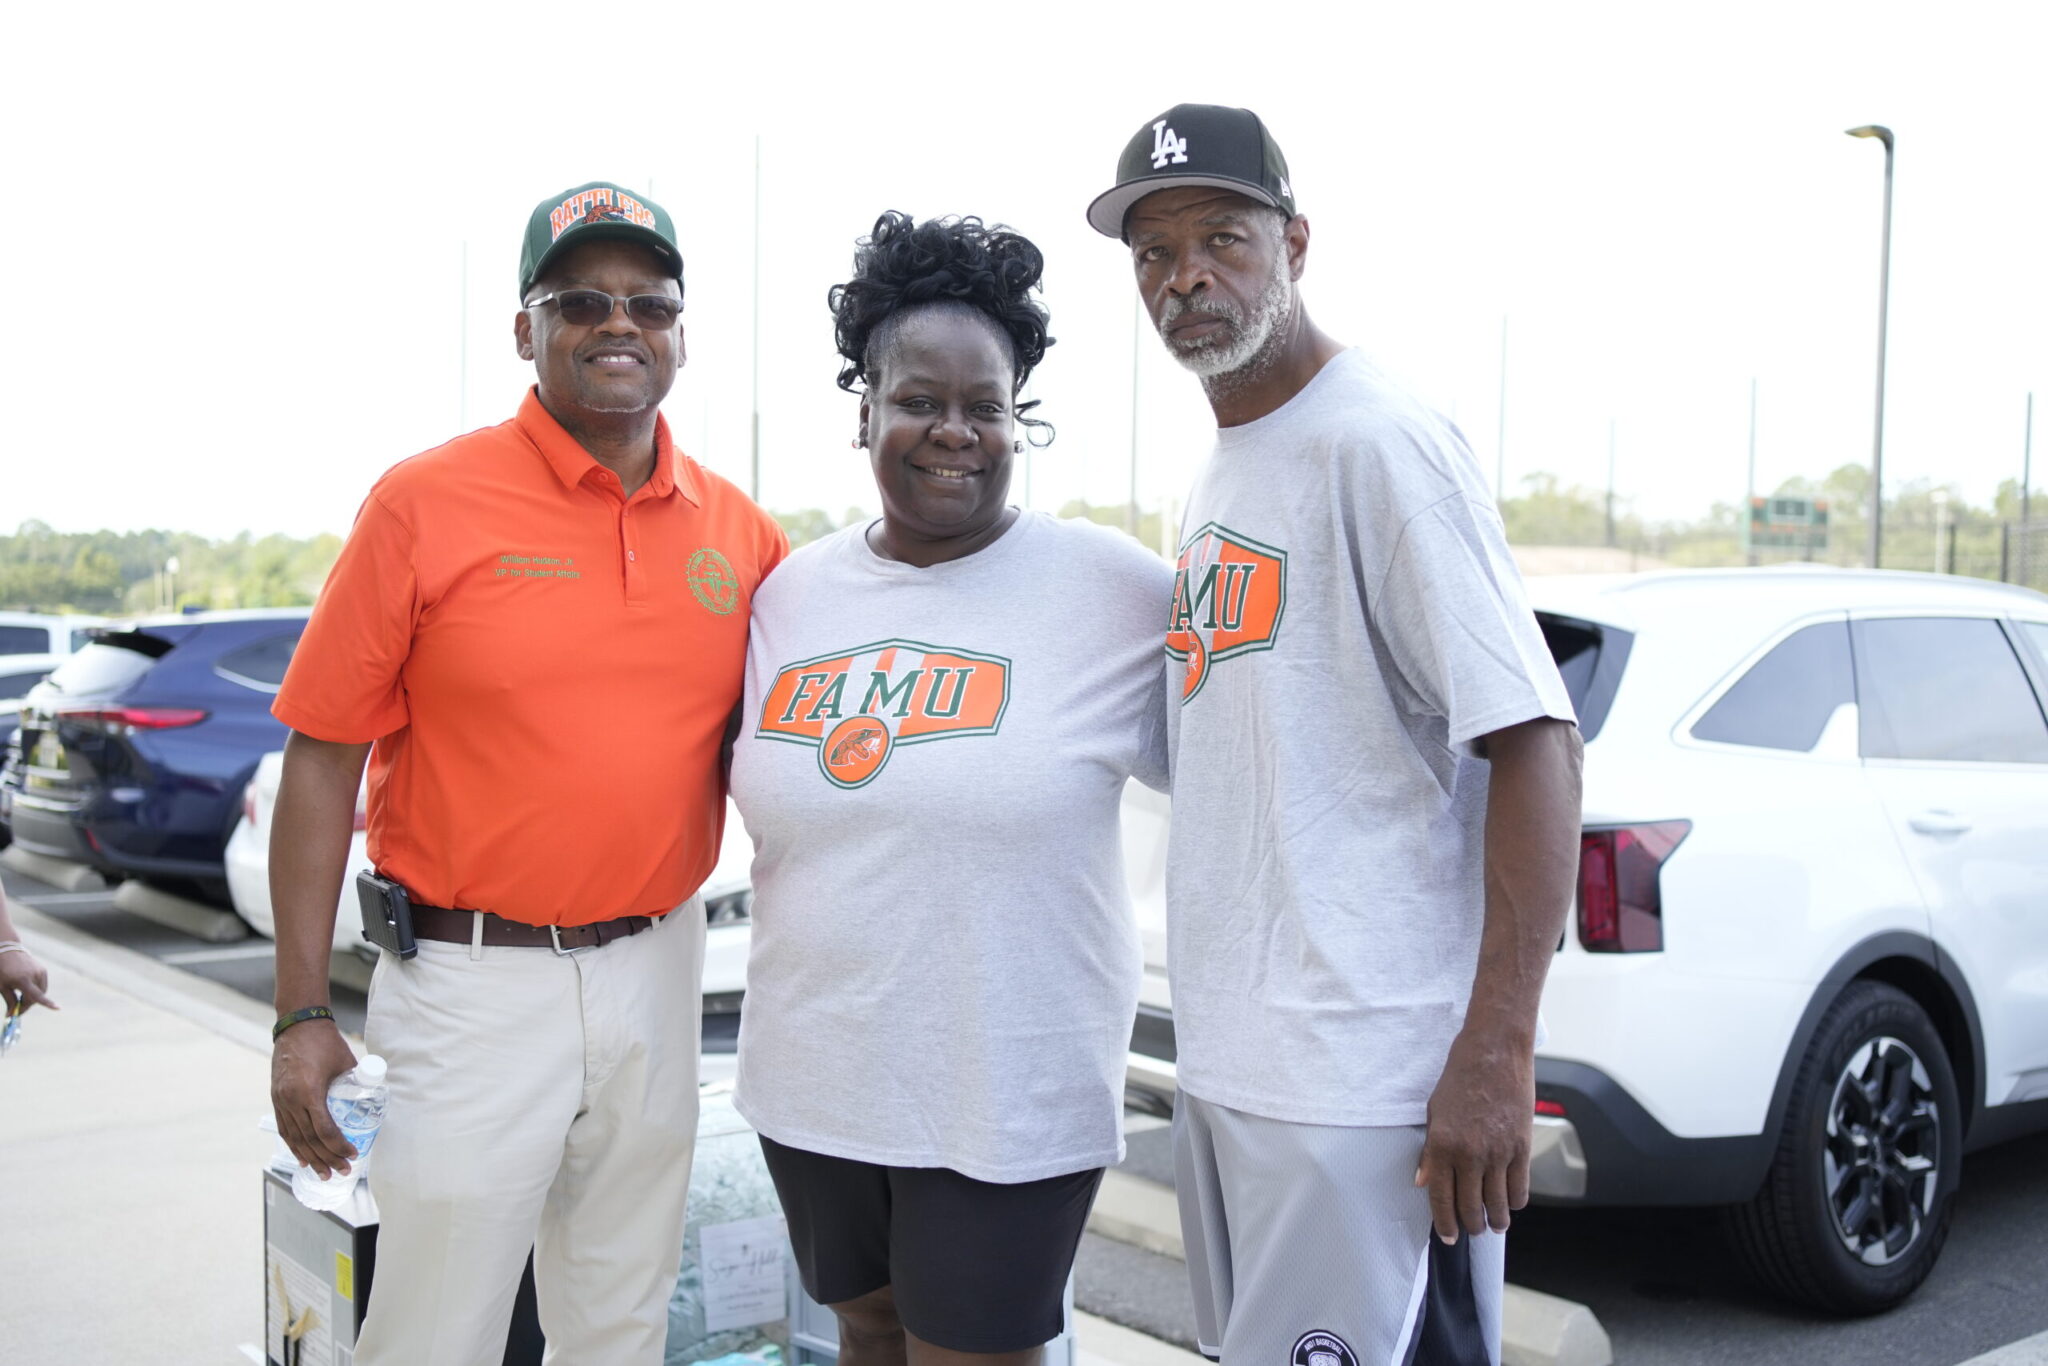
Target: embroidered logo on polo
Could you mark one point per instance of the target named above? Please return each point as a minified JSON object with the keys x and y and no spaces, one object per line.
{"x":1322,"y":1349}
{"x":1229,"y":593}
{"x":859,"y":706}
{"x":712,"y":582}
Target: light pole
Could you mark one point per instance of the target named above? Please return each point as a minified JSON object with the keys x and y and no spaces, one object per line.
{"x":1884,"y":281}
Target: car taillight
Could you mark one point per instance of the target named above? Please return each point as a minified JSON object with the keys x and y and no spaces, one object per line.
{"x":1552,"y":1108}
{"x":249,"y":803}
{"x":362,"y":821}
{"x":133,"y":718}
{"x":1621,"y":909}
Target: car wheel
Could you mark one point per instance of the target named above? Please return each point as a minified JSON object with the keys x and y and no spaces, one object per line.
{"x":1862,"y":1186}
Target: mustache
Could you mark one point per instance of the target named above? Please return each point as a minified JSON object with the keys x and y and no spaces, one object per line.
{"x":1180,"y":305}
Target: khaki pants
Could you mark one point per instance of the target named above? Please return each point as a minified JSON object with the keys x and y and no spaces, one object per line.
{"x":537,"y":1100}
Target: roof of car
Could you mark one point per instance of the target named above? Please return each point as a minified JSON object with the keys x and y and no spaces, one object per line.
{"x":204,"y":618}
{"x":1784,"y":590}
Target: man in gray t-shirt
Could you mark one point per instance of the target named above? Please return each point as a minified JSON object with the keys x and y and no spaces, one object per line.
{"x":1376,"y":803}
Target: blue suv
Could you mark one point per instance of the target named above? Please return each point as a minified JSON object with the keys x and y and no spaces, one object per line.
{"x":132,"y":756}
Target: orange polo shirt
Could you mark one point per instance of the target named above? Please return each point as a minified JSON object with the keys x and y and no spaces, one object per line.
{"x":546,"y":668}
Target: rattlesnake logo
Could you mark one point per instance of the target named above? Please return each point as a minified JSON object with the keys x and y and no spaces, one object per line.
{"x":860,"y":743}
{"x":595,"y":212}
{"x":855,"y":751}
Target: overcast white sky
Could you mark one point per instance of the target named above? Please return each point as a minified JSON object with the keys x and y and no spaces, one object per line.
{"x":238,"y":234}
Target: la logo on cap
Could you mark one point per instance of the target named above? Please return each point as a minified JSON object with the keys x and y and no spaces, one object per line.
{"x":1166,"y":147}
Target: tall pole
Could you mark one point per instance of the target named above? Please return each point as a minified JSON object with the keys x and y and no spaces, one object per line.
{"x":1500,"y":441}
{"x":1137,"y":332}
{"x":1610,"y":482}
{"x":755,"y":487}
{"x":1884,"y":282}
{"x":1749,"y":486}
{"x":2027,"y":464}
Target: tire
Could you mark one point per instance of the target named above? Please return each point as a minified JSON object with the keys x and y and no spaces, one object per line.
{"x":1862,"y":1185}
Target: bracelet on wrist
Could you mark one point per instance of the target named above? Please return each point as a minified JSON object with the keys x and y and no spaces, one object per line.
{"x":285,"y":1022}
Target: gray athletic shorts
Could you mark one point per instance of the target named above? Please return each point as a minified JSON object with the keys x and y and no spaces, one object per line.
{"x":1310,"y":1245}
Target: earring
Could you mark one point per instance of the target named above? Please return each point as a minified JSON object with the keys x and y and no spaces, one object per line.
{"x":1017,"y":447}
{"x":858,"y":442}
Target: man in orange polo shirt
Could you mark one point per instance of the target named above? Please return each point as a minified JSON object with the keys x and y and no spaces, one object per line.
{"x":535,"y":635}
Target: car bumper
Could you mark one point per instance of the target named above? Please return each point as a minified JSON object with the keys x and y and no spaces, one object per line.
{"x":51,"y":831}
{"x":1606,"y":1149}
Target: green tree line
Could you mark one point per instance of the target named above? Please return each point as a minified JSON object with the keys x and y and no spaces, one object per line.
{"x":1928,"y":526}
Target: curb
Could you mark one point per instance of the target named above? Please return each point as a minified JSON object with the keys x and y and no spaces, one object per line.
{"x":210,"y":924}
{"x":1536,"y":1329}
{"x":59,"y":873}
{"x":1100,"y":1342}
{"x":2031,"y":1351}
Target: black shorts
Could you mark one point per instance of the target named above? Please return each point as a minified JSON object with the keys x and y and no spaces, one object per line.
{"x":977,"y":1266}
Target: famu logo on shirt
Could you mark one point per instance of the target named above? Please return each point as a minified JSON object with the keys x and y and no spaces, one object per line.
{"x":1229,"y":593}
{"x":857,"y":707}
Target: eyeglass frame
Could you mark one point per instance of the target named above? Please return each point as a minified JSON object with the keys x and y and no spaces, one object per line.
{"x":612,"y":308}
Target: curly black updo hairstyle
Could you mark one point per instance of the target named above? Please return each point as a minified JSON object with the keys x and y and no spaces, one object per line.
{"x":904,"y":266}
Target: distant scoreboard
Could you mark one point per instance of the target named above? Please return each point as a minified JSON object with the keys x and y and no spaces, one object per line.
{"x":1782,"y":523}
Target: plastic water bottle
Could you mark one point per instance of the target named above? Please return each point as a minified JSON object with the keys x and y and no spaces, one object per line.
{"x":356,"y":1099}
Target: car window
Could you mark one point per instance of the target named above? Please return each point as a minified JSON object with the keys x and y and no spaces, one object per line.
{"x":24,"y":640}
{"x":259,"y":664}
{"x":112,"y":663}
{"x":81,"y":636}
{"x":1786,"y":698}
{"x":17,"y":685}
{"x":1945,"y":688}
{"x":1590,"y":659}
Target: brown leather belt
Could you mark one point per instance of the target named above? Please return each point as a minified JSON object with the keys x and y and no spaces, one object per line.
{"x":459,"y":927}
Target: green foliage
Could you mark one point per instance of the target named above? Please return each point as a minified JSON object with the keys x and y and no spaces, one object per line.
{"x":109,"y":573}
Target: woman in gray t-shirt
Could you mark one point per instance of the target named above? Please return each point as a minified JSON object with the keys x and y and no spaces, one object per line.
{"x":942,"y":709}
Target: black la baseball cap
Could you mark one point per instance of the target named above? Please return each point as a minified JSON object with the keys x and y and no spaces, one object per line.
{"x":588,"y":213}
{"x":1195,"y":144}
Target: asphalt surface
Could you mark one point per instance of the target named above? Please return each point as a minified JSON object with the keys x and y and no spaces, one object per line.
{"x":1663,"y":1282}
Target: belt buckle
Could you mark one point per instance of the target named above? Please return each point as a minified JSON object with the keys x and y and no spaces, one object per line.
{"x":555,"y":937}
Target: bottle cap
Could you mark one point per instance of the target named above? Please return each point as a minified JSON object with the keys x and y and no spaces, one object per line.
{"x":370,"y":1070}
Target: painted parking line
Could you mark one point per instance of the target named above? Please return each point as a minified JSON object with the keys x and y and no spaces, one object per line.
{"x":65,"y":898}
{"x":230,"y":953}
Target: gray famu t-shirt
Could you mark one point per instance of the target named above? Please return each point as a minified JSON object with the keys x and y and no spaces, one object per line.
{"x":1346,"y":619}
{"x":945,"y":964}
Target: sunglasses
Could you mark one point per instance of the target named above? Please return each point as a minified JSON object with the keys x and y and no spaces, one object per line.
{"x":589,"y":307}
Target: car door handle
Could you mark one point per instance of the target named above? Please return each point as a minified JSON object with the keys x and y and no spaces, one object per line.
{"x":1939,"y":823}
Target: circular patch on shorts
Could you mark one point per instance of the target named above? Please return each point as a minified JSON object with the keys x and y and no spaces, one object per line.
{"x":1322,"y":1349}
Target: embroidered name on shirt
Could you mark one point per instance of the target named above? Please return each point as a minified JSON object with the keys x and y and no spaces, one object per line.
{"x":1229,"y":593}
{"x":536,"y":567}
{"x":858,"y":706}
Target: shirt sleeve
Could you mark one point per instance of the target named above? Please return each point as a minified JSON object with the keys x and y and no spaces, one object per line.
{"x":1458,"y":626}
{"x":344,"y":682}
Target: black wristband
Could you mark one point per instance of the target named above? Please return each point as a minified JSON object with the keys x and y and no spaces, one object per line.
{"x":285,"y":1022}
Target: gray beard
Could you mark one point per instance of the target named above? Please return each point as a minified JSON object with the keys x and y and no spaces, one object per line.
{"x":1254,"y":340}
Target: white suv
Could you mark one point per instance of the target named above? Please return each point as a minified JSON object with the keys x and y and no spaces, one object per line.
{"x":1809,"y":963}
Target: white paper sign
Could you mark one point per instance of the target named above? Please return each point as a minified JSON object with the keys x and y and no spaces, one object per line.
{"x":743,"y":1277}
{"x":293,"y":1290}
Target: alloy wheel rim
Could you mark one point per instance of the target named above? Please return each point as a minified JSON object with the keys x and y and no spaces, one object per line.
{"x":1881,"y":1162}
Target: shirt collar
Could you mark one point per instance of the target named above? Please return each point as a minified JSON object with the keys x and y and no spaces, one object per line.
{"x":674,"y":472}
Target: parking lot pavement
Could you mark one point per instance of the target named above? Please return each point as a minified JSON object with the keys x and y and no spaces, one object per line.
{"x":1660,"y":1281}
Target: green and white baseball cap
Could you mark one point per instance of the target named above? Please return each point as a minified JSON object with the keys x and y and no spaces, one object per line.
{"x":589,"y":213}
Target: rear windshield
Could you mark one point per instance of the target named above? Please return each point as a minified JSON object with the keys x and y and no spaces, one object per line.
{"x":109,"y":664}
{"x":1590,"y":658}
